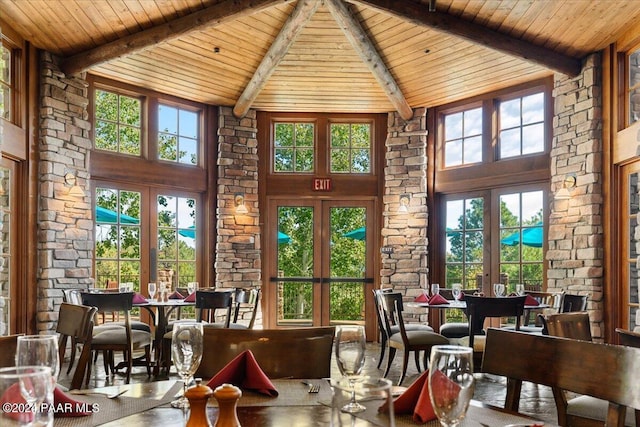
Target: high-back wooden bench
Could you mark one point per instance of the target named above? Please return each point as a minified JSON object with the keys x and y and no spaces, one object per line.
{"x":608,"y":372}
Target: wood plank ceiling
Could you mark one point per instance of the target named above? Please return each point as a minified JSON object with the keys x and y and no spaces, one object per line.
{"x":209,"y":51}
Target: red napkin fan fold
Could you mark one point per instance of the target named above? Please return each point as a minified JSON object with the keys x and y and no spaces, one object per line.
{"x":191,"y":298}
{"x":244,"y":372}
{"x":529,"y":300}
{"x":421,"y":298}
{"x":139,"y":299}
{"x":437,"y":299}
{"x":176,"y":295}
{"x":70,"y":408}
{"x":415,"y":400}
{"x":12,"y":395}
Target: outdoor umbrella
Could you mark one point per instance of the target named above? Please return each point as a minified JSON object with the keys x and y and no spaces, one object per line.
{"x":283,"y":238}
{"x":530,"y":237}
{"x":357,"y":234}
{"x":107,"y":215}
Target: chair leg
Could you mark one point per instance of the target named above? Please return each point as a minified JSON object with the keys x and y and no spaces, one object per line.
{"x":405,"y":362}
{"x":72,"y":356}
{"x":129,"y":366}
{"x":383,"y":347}
{"x":147,"y":354}
{"x":416,"y":356}
{"x":392,"y":354}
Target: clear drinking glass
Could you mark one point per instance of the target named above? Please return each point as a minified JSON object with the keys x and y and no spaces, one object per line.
{"x":151,"y":287}
{"x":39,"y":350}
{"x":451,"y":382}
{"x":191,"y":287}
{"x":26,"y":384}
{"x":186,"y":351}
{"x":435,"y":289}
{"x":350,"y":355}
{"x":456,"y":291}
{"x":498,"y":289}
{"x":372,"y":391}
{"x":520,"y":289}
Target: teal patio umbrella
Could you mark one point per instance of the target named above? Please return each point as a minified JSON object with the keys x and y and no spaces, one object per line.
{"x":283,"y":238}
{"x":109,"y":216}
{"x":530,"y":237}
{"x":357,"y":234}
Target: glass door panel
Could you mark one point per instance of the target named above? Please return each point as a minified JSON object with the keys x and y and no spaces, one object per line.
{"x":7,"y":291}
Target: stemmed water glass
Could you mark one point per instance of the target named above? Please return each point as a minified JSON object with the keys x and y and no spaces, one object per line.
{"x":186,"y":351}
{"x":498,"y":289}
{"x":151,"y":287}
{"x":456,"y":291}
{"x":435,"y":289}
{"x":34,"y":385}
{"x":520,"y":289}
{"x":350,"y":355}
{"x":451,"y":382}
{"x":39,"y":350}
{"x":191,"y":287}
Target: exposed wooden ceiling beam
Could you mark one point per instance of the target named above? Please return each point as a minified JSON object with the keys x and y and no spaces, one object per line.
{"x":214,"y":15}
{"x":367,"y":51}
{"x":418,"y":14}
{"x":302,"y":13}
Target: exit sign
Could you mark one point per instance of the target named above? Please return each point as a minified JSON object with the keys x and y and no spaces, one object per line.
{"x":321,"y":184}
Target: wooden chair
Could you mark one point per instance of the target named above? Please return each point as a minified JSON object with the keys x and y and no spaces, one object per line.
{"x":123,"y":339}
{"x":574,"y":325}
{"x":481,"y":308}
{"x":76,"y":322}
{"x":602,"y":371}
{"x":630,"y":339}
{"x":245,"y":299}
{"x":405,"y":339}
{"x":453,"y":330}
{"x":281,"y":353}
{"x":551,"y":299}
{"x":573,"y":302}
{"x":8,"y":344}
{"x":384,"y":335}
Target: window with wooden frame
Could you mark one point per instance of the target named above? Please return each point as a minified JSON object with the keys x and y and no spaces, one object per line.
{"x":633,"y":86}
{"x":491,"y":184}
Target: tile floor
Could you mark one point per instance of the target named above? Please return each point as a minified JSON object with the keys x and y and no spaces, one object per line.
{"x":536,"y":401}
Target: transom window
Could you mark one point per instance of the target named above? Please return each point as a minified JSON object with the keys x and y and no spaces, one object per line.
{"x":463,"y":137}
{"x":350,"y":148}
{"x":294,"y":146}
{"x":117,"y":123}
{"x":522,"y":126}
{"x":5,"y":82}
{"x":633,"y":95}
{"x":177,"y":135}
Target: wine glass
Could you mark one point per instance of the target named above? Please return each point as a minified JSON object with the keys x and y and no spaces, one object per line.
{"x":435,"y":289}
{"x":31,"y":385}
{"x":186,"y":351}
{"x":498,"y":289}
{"x":451,"y":382}
{"x":191,"y":287}
{"x":350,"y":349}
{"x":151,"y":287}
{"x":456,"y":291}
{"x":520,"y":289}
{"x":39,"y":350}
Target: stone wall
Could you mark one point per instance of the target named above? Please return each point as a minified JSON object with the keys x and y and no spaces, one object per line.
{"x":406,"y":268}
{"x":237,"y":259}
{"x":575,"y":252}
{"x":65,"y":229}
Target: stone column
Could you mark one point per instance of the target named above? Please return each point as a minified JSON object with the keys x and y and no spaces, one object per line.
{"x":406,"y":268}
{"x":238,"y":261}
{"x":65,"y":229}
{"x":575,"y":253}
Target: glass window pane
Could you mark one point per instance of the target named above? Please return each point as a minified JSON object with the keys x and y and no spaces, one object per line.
{"x":533,"y":108}
{"x":463,"y":138}
{"x":533,"y":139}
{"x":510,"y":114}
{"x":634,"y":87}
{"x":167,"y":119}
{"x":178,"y":135}
{"x":453,"y":126}
{"x":299,"y":154}
{"x":350,"y":148}
{"x":453,"y":153}
{"x":473,"y":150}
{"x":510,"y":143}
{"x":117,"y":123}
{"x":522,"y":126}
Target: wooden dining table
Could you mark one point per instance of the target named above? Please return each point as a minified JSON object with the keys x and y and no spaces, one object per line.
{"x":147,"y":404}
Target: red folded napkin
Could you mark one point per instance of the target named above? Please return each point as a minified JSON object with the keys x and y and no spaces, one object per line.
{"x":191,"y":297}
{"x":529,"y":300}
{"x":421,"y":298}
{"x":448,"y":391}
{"x":461,"y":296}
{"x":244,"y":372}
{"x":139,"y":299}
{"x":415,"y":400}
{"x":13,"y":396}
{"x":437,"y":299}
{"x":70,"y":407}
{"x":176,"y":295}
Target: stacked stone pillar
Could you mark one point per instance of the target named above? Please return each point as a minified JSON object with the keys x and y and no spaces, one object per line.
{"x":238,"y":261}
{"x":405,"y":269}
{"x":65,"y":229}
{"x":576,"y":253}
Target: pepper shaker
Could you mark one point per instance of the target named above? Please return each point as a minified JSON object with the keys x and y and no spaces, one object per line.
{"x":227,"y":396}
{"x":198,"y":397}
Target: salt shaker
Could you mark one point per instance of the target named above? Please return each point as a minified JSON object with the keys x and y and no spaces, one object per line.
{"x":227,"y":396}
{"x":198,"y":397}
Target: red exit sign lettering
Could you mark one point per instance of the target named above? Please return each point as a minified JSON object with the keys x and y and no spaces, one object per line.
{"x":321,"y":184}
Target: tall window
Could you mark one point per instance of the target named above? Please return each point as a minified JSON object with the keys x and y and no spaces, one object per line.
{"x":491,"y":186}
{"x":117,"y":123}
{"x":177,"y":135}
{"x":177,"y":239}
{"x":5,"y":82}
{"x":633,"y":95}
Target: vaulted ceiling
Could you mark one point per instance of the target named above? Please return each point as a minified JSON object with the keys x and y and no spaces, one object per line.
{"x":331,"y":55}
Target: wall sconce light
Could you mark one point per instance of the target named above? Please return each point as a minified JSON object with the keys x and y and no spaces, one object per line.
{"x":404,"y":203}
{"x":240,"y":207}
{"x":71,"y":181}
{"x":568,"y":185}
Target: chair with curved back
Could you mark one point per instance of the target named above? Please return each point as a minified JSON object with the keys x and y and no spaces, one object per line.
{"x":453,"y":330}
{"x":123,"y":339}
{"x":281,"y":353}
{"x":248,"y":300}
{"x":405,"y":340}
{"x":574,"y":325}
{"x":574,"y":302}
{"x":384,"y":335}
{"x":75,"y":321}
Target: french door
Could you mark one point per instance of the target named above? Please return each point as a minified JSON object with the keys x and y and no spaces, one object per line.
{"x":320,"y":262}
